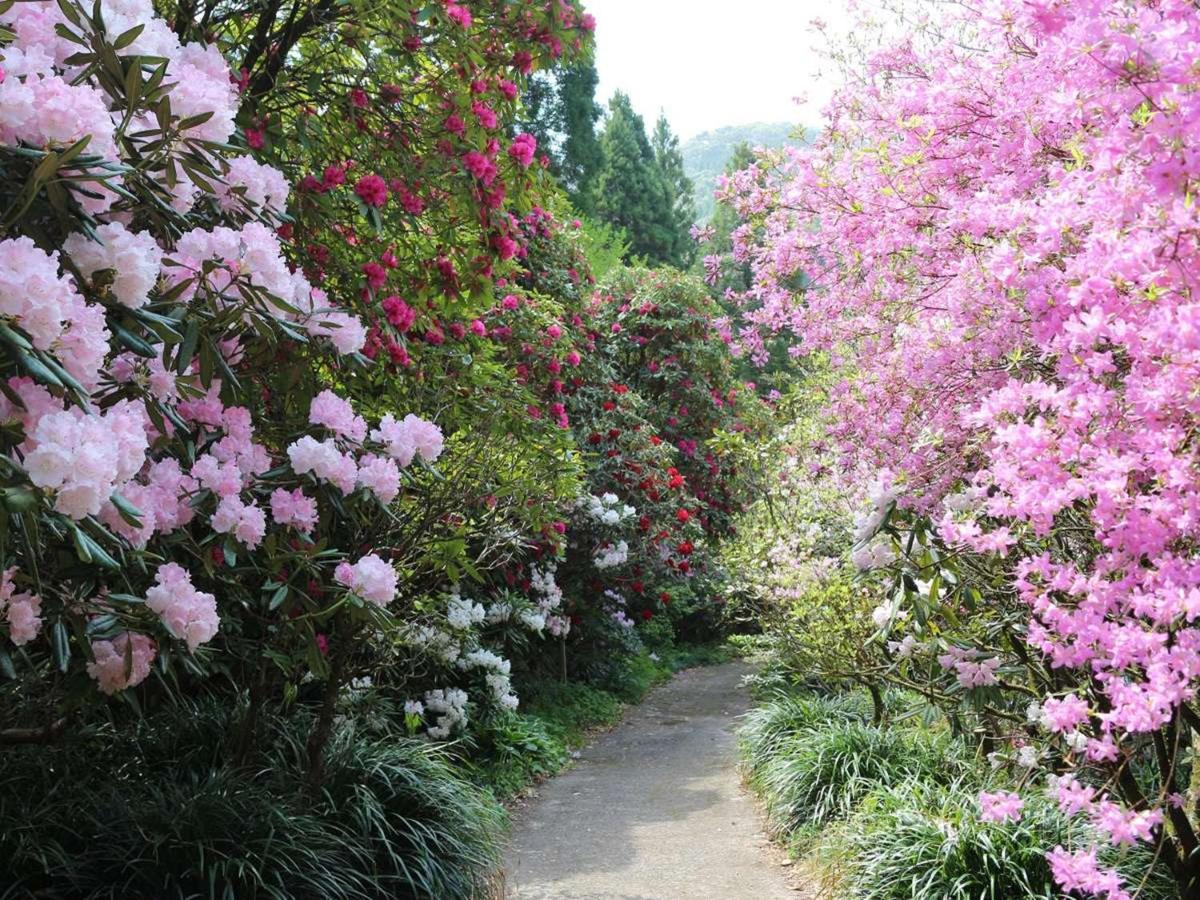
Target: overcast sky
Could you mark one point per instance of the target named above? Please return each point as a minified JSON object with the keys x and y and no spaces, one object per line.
{"x":709,"y":63}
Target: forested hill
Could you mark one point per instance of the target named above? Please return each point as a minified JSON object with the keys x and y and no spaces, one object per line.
{"x":705,"y":156}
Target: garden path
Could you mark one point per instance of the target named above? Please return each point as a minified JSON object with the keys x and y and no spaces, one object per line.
{"x":653,"y":810}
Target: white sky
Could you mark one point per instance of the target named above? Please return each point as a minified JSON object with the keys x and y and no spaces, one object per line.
{"x":709,"y":63}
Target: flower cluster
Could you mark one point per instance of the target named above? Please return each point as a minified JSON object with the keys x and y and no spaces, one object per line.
{"x":370,"y":578}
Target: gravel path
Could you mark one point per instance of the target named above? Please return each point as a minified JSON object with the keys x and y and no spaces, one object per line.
{"x":653,"y":810}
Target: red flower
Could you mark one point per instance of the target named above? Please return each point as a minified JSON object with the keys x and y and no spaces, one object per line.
{"x":647,"y":615}
{"x":664,"y":597}
{"x":682,"y":516}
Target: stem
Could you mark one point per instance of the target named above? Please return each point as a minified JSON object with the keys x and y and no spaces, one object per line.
{"x":44,"y":735}
{"x":319,"y":739}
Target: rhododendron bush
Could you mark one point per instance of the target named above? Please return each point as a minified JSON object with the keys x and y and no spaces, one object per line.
{"x":199,"y":448}
{"x":999,"y":227}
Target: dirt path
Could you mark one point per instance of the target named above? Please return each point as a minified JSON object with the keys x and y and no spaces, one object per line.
{"x":653,"y":810}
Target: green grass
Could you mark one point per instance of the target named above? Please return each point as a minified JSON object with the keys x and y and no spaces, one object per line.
{"x":159,"y":810}
{"x":570,"y":711}
{"x":892,"y":813}
{"x":923,"y":841}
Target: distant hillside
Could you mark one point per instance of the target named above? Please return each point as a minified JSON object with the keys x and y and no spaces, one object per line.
{"x":705,"y":155}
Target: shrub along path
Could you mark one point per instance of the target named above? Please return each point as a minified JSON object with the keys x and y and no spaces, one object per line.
{"x":654,"y":810}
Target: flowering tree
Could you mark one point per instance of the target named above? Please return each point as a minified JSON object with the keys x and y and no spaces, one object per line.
{"x":999,"y":229}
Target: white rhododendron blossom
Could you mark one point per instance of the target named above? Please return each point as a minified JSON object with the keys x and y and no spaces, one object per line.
{"x":611,"y":555}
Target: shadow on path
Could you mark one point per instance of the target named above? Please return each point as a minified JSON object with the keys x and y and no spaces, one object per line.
{"x":653,"y":810}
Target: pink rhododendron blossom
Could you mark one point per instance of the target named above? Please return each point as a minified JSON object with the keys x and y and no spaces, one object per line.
{"x":189,"y":614}
{"x":336,"y":414}
{"x":370,"y":578}
{"x":410,"y":437}
{"x":325,"y":461}
{"x":21,"y":610}
{"x":123,"y":662}
{"x":372,"y":190}
{"x":32,"y":292}
{"x":249,"y":181}
{"x":381,"y":476}
{"x":294,"y":508}
{"x":83,"y":458}
{"x":133,"y":258}
{"x":245,"y":521}
{"x":523,"y":149}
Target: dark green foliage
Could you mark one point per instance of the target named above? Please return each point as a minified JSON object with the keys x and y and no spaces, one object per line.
{"x":512,"y":751}
{"x":631,"y":191}
{"x":561,"y":111}
{"x":160,"y":810}
{"x":812,"y":758}
{"x":569,"y":710}
{"x":893,"y":813}
{"x":670,"y":166}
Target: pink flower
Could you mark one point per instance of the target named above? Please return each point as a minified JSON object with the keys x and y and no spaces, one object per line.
{"x":1002,"y":806}
{"x":484,"y":114}
{"x":325,"y":461}
{"x":22,"y":610}
{"x":112,"y":658}
{"x":133,"y":258}
{"x":333,"y":412}
{"x":408,"y":438}
{"x":399,"y":314}
{"x":480,"y":166}
{"x":523,"y":149}
{"x":370,"y":578}
{"x":245,"y":521}
{"x":189,"y":614}
{"x":1065,"y":714}
{"x":459,"y":14}
{"x":372,"y":190}
{"x":294,"y":508}
{"x":381,"y":476}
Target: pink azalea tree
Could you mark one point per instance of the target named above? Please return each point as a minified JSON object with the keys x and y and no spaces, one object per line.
{"x":995,"y":243}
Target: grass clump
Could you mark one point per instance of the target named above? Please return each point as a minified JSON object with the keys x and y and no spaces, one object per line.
{"x":920,"y":840}
{"x":391,"y":818}
{"x":822,"y":774}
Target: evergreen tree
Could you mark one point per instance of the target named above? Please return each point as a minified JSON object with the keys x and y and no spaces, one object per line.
{"x":561,"y":111}
{"x":670,"y":166}
{"x":581,"y":156}
{"x":631,"y":191}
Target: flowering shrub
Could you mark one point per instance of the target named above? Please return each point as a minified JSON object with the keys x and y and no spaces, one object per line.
{"x":1001,"y":274}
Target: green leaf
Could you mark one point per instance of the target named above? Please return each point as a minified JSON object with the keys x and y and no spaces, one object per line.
{"x":188,"y":348}
{"x":278,"y":597}
{"x":128,"y":511}
{"x":133,"y":342}
{"x":128,"y":37}
{"x":6,"y":664}
{"x":60,"y":645}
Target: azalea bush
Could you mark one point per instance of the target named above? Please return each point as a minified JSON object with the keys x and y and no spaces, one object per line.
{"x":996,"y":239}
